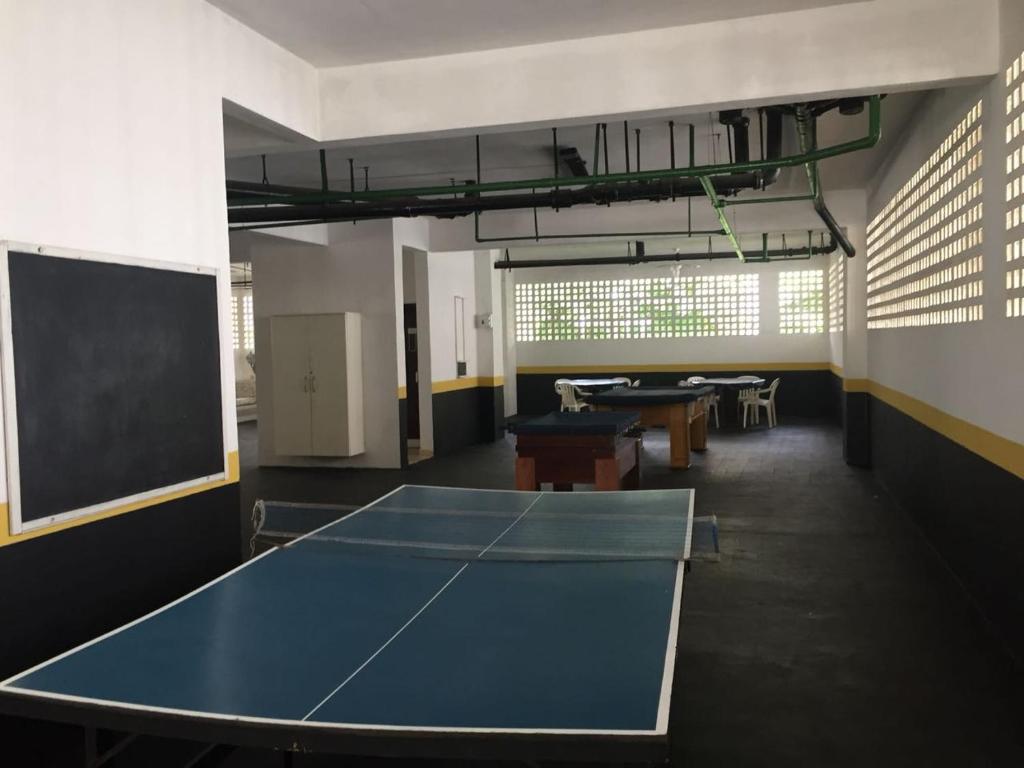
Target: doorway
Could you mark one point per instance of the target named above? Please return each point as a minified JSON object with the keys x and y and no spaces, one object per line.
{"x":412,"y":385}
{"x":418,"y":427}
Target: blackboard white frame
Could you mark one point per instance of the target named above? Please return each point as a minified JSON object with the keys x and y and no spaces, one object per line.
{"x":10,"y":480}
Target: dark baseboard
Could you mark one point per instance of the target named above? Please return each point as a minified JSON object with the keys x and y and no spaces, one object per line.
{"x":67,"y":587}
{"x":968,"y":508}
{"x":465,"y":417}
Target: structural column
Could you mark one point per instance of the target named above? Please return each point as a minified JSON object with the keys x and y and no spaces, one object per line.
{"x":856,"y":401}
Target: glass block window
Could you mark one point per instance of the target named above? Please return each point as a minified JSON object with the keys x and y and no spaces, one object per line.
{"x":925,"y":245}
{"x":642,"y":308}
{"x":236,"y":329}
{"x":243,"y":334}
{"x":802,"y":301}
{"x":837,"y":293}
{"x":247,"y":322}
{"x":1015,"y":188}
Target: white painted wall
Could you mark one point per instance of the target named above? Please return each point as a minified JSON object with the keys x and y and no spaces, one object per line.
{"x":865,"y":47}
{"x":769,"y":346}
{"x":357,"y":272}
{"x":450,"y":275}
{"x":508,"y":308}
{"x":406,"y":234}
{"x":489,"y":341}
{"x":424,"y":365}
{"x":972,"y":370}
{"x":112,"y":133}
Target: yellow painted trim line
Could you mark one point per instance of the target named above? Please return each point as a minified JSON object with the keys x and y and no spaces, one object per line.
{"x":1001,"y":451}
{"x":402,"y":393}
{"x":468,"y":382}
{"x":673,"y":368}
{"x":5,"y":522}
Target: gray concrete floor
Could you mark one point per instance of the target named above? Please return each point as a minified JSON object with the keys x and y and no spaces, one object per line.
{"x":829,"y":634}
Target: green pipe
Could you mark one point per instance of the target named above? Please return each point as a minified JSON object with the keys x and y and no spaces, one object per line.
{"x":806,"y":128}
{"x":812,"y":156}
{"x":570,"y":236}
{"x":709,"y":190}
{"x":812,"y":195}
{"x":766,"y":200}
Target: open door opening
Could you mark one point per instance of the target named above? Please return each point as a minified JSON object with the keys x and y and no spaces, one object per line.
{"x":418,"y":418}
{"x":412,"y":386}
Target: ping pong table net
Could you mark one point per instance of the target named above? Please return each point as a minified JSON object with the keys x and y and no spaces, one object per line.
{"x":555,"y":527}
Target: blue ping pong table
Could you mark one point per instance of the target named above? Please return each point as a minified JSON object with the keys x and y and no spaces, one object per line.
{"x":433,"y":622}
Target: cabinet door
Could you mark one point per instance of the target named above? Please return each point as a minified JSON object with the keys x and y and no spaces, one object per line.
{"x":329,"y":388}
{"x":289,"y":338}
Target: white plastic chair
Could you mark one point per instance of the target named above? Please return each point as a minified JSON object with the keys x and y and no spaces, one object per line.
{"x":757,"y":402}
{"x":745,"y":394}
{"x":572,"y":397}
{"x":712,"y":400}
{"x":635,"y":384}
{"x":623,"y":380}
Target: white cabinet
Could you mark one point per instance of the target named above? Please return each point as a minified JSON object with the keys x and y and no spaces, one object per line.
{"x":317,"y":382}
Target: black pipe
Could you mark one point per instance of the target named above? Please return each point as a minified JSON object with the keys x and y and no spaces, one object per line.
{"x":604,"y":132}
{"x":739,"y":123}
{"x":625,"y":141}
{"x":807,"y":131}
{"x":641,"y":258}
{"x":672,"y":143}
{"x":256,"y":187}
{"x":672,"y":151}
{"x":595,"y":194}
{"x":773,"y":146}
{"x":554,"y":148}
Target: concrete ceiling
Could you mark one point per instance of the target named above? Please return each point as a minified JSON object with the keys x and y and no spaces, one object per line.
{"x":528,"y":154}
{"x":331,"y":33}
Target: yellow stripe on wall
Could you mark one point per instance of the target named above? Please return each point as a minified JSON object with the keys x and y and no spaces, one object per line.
{"x":402,"y":393}
{"x":1001,"y":451}
{"x":5,"y":521}
{"x":673,"y":368}
{"x":467,"y":382}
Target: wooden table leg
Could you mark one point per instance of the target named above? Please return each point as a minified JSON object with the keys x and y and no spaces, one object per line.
{"x":526,"y":474}
{"x":606,"y":474}
{"x":679,"y":436}
{"x":699,"y":426}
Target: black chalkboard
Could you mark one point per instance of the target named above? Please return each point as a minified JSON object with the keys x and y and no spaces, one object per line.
{"x":117,"y":380}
